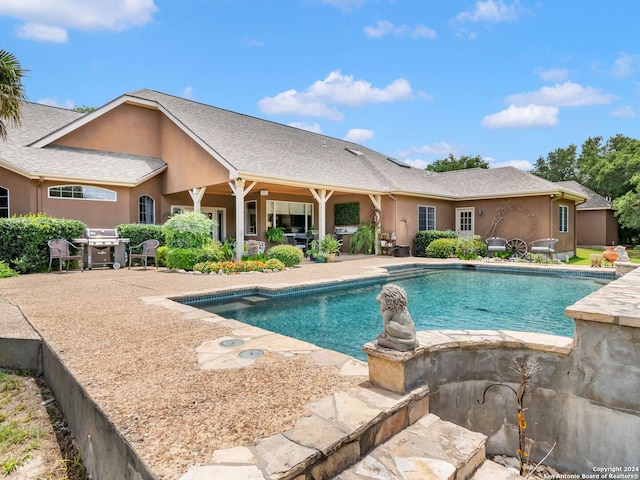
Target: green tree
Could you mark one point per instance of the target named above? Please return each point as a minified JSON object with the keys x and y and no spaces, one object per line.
{"x":559,"y":166}
{"x":452,"y":163}
{"x":12,"y":92}
{"x":609,"y":169}
{"x":84,"y":109}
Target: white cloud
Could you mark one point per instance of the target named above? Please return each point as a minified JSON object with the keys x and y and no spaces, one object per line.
{"x":417,"y":163}
{"x":567,"y":94}
{"x":358,"y":135}
{"x":188,"y":92}
{"x":310,"y":127}
{"x":44,"y":33}
{"x":553,"y":75}
{"x":530,"y":116}
{"x":54,"y":102}
{"x":624,"y":112}
{"x":346,"y":5}
{"x":293,"y":102}
{"x":47,"y":19}
{"x":334,"y":89}
{"x":384,"y":27}
{"x":525,"y":165}
{"x":489,"y":11}
{"x":441,"y":149}
{"x":626,"y":65}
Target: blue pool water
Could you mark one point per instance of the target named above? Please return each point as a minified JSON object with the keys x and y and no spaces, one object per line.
{"x":345,"y":319}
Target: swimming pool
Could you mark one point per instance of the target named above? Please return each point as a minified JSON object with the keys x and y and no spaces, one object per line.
{"x":344,"y":319}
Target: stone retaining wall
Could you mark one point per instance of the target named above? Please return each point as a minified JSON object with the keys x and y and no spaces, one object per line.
{"x":585,"y":399}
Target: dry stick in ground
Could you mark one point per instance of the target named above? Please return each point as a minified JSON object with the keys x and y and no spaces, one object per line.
{"x":525,"y":370}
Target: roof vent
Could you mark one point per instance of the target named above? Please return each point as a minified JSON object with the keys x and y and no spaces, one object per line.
{"x":397,"y":162}
{"x":355,"y":152}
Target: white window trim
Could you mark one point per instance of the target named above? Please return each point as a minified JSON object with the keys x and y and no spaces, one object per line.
{"x":427,"y":217}
{"x":565,"y":216}
{"x":246,"y":219}
{"x":8,"y":202}
{"x":153,"y":200}
{"x":115,"y":194}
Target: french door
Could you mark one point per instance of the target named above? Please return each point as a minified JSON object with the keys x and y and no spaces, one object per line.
{"x":464,"y":221}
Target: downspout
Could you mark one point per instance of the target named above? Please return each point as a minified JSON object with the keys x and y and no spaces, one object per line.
{"x":39,"y":194}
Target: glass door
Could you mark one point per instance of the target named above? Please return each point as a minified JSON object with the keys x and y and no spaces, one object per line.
{"x":464,"y":222}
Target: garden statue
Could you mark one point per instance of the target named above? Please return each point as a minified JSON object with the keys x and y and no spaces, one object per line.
{"x":399,"y":329}
{"x":623,"y":256}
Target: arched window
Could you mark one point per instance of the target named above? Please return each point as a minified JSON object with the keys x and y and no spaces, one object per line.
{"x":146,"y":210}
{"x":82,"y":192}
{"x":4,"y":202}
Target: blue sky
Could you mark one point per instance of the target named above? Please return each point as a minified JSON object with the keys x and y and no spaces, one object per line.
{"x":507,"y":80}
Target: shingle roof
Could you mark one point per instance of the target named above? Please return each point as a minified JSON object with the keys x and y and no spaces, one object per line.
{"x":252,"y":147}
{"x":594,"y":200}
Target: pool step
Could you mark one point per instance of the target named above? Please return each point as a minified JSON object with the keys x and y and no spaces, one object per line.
{"x":494,"y":471}
{"x":403,"y":273}
{"x":430,"y":449}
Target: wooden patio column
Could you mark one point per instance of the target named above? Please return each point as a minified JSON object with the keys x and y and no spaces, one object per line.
{"x":196,"y":196}
{"x":239,"y":190}
{"x":321,"y":197}
{"x":377,"y":203}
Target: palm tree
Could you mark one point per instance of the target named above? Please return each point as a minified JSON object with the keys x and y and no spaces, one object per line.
{"x":12,"y":92}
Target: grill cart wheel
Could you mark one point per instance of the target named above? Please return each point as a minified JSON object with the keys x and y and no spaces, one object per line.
{"x":116,"y":265}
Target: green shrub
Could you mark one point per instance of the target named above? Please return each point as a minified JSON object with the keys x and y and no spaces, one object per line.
{"x":23,"y":239}
{"x":6,"y":271}
{"x":470,"y":248}
{"x":161,"y":255}
{"x":139,"y":232}
{"x":442,"y":248}
{"x":424,"y":237}
{"x":186,"y":258}
{"x":289,"y":255}
{"x":188,"y":230}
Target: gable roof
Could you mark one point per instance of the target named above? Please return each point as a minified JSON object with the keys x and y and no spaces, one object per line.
{"x":68,"y":164}
{"x":594,"y":201}
{"x":253,"y":149}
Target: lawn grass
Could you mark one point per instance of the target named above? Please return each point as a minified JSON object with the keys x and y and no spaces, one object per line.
{"x":583,"y":256}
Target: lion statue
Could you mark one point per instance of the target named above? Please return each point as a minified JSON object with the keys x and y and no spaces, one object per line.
{"x":399,"y":329}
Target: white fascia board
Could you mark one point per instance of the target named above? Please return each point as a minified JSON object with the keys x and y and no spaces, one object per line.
{"x":304,"y":184}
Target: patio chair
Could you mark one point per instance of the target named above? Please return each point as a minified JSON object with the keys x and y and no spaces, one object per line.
{"x":292,"y":240}
{"x":144,"y":251}
{"x":63,"y":250}
{"x":496,"y":244}
{"x":544,"y":246}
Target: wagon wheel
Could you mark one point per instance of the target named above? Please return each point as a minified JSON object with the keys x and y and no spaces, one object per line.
{"x":517,"y":247}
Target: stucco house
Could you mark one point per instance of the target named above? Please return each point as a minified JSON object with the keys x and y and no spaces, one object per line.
{"x":596,"y":223}
{"x":147,"y":155}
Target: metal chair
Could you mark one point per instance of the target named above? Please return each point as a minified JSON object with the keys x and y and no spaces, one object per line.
{"x":147,"y":250}
{"x":496,"y":244}
{"x":61,"y":249}
{"x":545,"y":246}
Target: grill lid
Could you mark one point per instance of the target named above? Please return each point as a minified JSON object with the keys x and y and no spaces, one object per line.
{"x":100,"y":233}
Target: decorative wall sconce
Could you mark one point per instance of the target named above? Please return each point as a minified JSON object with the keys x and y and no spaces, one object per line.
{"x":480,"y":211}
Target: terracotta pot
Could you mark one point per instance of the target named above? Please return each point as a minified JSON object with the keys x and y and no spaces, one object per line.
{"x":610,"y":254}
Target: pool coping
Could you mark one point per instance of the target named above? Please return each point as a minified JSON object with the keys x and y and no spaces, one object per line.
{"x":384,"y":273}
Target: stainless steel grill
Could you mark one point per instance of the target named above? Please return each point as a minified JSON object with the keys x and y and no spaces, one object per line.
{"x":103,"y":247}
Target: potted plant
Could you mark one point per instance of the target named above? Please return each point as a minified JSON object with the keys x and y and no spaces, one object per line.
{"x":384,"y":238}
{"x":363,"y":238}
{"x":330,"y":246}
{"x":275,"y":235}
